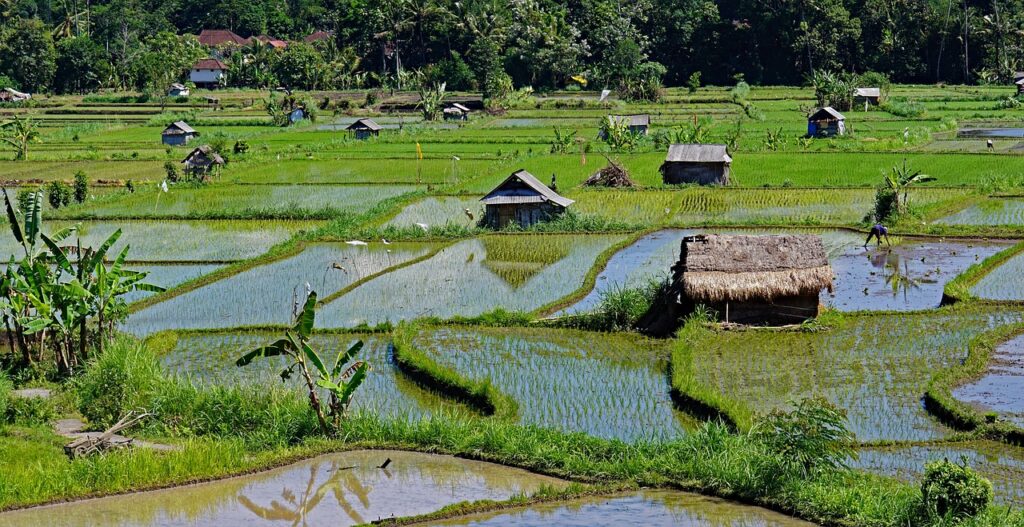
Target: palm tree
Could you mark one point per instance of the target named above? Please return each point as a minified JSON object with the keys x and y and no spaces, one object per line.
{"x":19,"y":133}
{"x":899,"y":180}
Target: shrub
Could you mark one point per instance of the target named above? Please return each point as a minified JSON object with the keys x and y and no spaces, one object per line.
{"x":170,"y":172}
{"x":454,"y":72}
{"x":123,"y":378}
{"x":81,"y":187}
{"x":29,"y":410}
{"x":810,"y":438}
{"x":693,"y":83}
{"x":622,"y":307}
{"x":904,"y":108}
{"x":58,"y":194}
{"x":953,"y":491}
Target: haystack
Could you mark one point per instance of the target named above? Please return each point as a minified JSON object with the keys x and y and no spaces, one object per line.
{"x":613,"y":175}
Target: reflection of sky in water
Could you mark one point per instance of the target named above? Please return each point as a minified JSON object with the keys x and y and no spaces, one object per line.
{"x":1001,"y":389}
{"x":210,"y":358}
{"x":336,"y":489}
{"x":1002,"y":464}
{"x":167,"y":276}
{"x":989,"y":212}
{"x":1005,"y":282}
{"x":649,"y":508}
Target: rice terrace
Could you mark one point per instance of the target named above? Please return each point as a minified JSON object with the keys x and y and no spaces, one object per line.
{"x":511,"y":263}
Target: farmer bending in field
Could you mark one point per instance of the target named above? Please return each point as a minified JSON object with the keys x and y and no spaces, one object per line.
{"x":877,"y":231}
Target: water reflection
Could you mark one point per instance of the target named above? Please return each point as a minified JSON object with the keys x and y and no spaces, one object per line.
{"x":337,"y":490}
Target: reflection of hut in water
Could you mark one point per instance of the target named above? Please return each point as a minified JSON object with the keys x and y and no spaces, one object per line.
{"x":523,"y":200}
{"x":826,"y":122}
{"x":518,"y":259}
{"x":746,"y":279}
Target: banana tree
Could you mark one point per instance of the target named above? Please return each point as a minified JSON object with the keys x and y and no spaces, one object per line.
{"x":899,"y":181}
{"x":340,"y":380}
{"x":19,"y":133}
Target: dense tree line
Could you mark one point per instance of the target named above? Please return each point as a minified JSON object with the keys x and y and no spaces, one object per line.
{"x":75,"y":45}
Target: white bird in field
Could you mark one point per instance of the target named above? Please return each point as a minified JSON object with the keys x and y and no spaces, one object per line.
{"x":356,"y":242}
{"x":423,"y":226}
{"x":385,"y":242}
{"x":469,"y":215}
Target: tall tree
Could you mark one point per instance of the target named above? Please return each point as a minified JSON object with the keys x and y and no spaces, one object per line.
{"x":27,"y":55}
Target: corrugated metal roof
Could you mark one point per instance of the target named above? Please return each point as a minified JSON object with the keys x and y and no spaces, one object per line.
{"x":868,"y":92}
{"x":364,"y":124}
{"x":633,"y":120}
{"x":826,"y":112}
{"x":179,"y":125}
{"x":459,"y":107}
{"x":688,"y":153}
{"x":536,"y":192}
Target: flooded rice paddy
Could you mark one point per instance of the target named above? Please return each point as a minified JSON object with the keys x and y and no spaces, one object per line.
{"x":209,"y":358}
{"x":522,"y":272}
{"x":606,"y":385}
{"x":336,"y":489}
{"x":1001,"y":387}
{"x":264,"y":294}
{"x":168,"y":276}
{"x":1002,"y":464}
{"x":1005,"y":282}
{"x":874,"y":367}
{"x":650,"y":508}
{"x":996,"y":211}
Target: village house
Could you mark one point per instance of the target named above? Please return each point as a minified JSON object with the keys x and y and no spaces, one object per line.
{"x":178,"y":90}
{"x":178,"y":133}
{"x":364,"y":128}
{"x":208,"y":73}
{"x":699,"y":164}
{"x":752,"y":279}
{"x":202,"y":162}
{"x":826,"y":122}
{"x":865,"y":96}
{"x":272,"y":43}
{"x":317,"y":36}
{"x":216,"y":38}
{"x":522,"y":199}
{"x":454,"y":111}
{"x":636,"y":124}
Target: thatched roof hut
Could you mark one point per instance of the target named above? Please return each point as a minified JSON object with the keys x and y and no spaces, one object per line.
{"x":753,"y":279}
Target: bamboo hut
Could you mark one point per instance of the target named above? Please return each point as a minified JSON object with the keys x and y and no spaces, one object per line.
{"x":202,"y":162}
{"x":365,"y":128}
{"x":752,"y":279}
{"x":178,"y":133}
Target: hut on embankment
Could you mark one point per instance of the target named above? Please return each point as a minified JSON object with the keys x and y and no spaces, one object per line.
{"x":745,"y":279}
{"x":699,"y":164}
{"x":365,"y":128}
{"x":522,"y":199}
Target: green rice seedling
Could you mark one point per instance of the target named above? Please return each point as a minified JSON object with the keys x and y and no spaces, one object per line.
{"x":168,"y":276}
{"x":1001,"y":464}
{"x":602,"y":384}
{"x":208,"y":359}
{"x":874,"y":367}
{"x":261,"y":295}
{"x":1005,"y":282}
{"x":182,"y":241}
{"x":459,"y":281}
{"x":1000,"y":211}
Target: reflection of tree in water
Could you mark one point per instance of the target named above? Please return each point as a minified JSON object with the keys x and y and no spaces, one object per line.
{"x":296,"y":509}
{"x":896,"y":270}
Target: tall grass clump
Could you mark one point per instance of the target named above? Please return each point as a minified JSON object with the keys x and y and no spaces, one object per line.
{"x":123,"y":378}
{"x":6,"y":387}
{"x":952,"y":492}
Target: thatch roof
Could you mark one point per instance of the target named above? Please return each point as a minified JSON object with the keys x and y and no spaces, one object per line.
{"x":698,"y":154}
{"x":365,"y":124}
{"x":737,"y":268}
{"x":827,"y":112}
{"x":203,"y":152}
{"x":521,"y":187}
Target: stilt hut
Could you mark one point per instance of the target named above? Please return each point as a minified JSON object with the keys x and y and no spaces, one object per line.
{"x":826,"y":122}
{"x":202,"y":162}
{"x":753,"y":279}
{"x":700,"y":164}
{"x":522,"y":199}
{"x":178,"y":133}
{"x":456,"y":112}
{"x":364,"y":128}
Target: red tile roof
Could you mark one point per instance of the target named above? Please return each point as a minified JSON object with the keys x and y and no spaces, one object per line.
{"x":210,"y":64}
{"x":317,"y":35}
{"x":217,"y":37}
